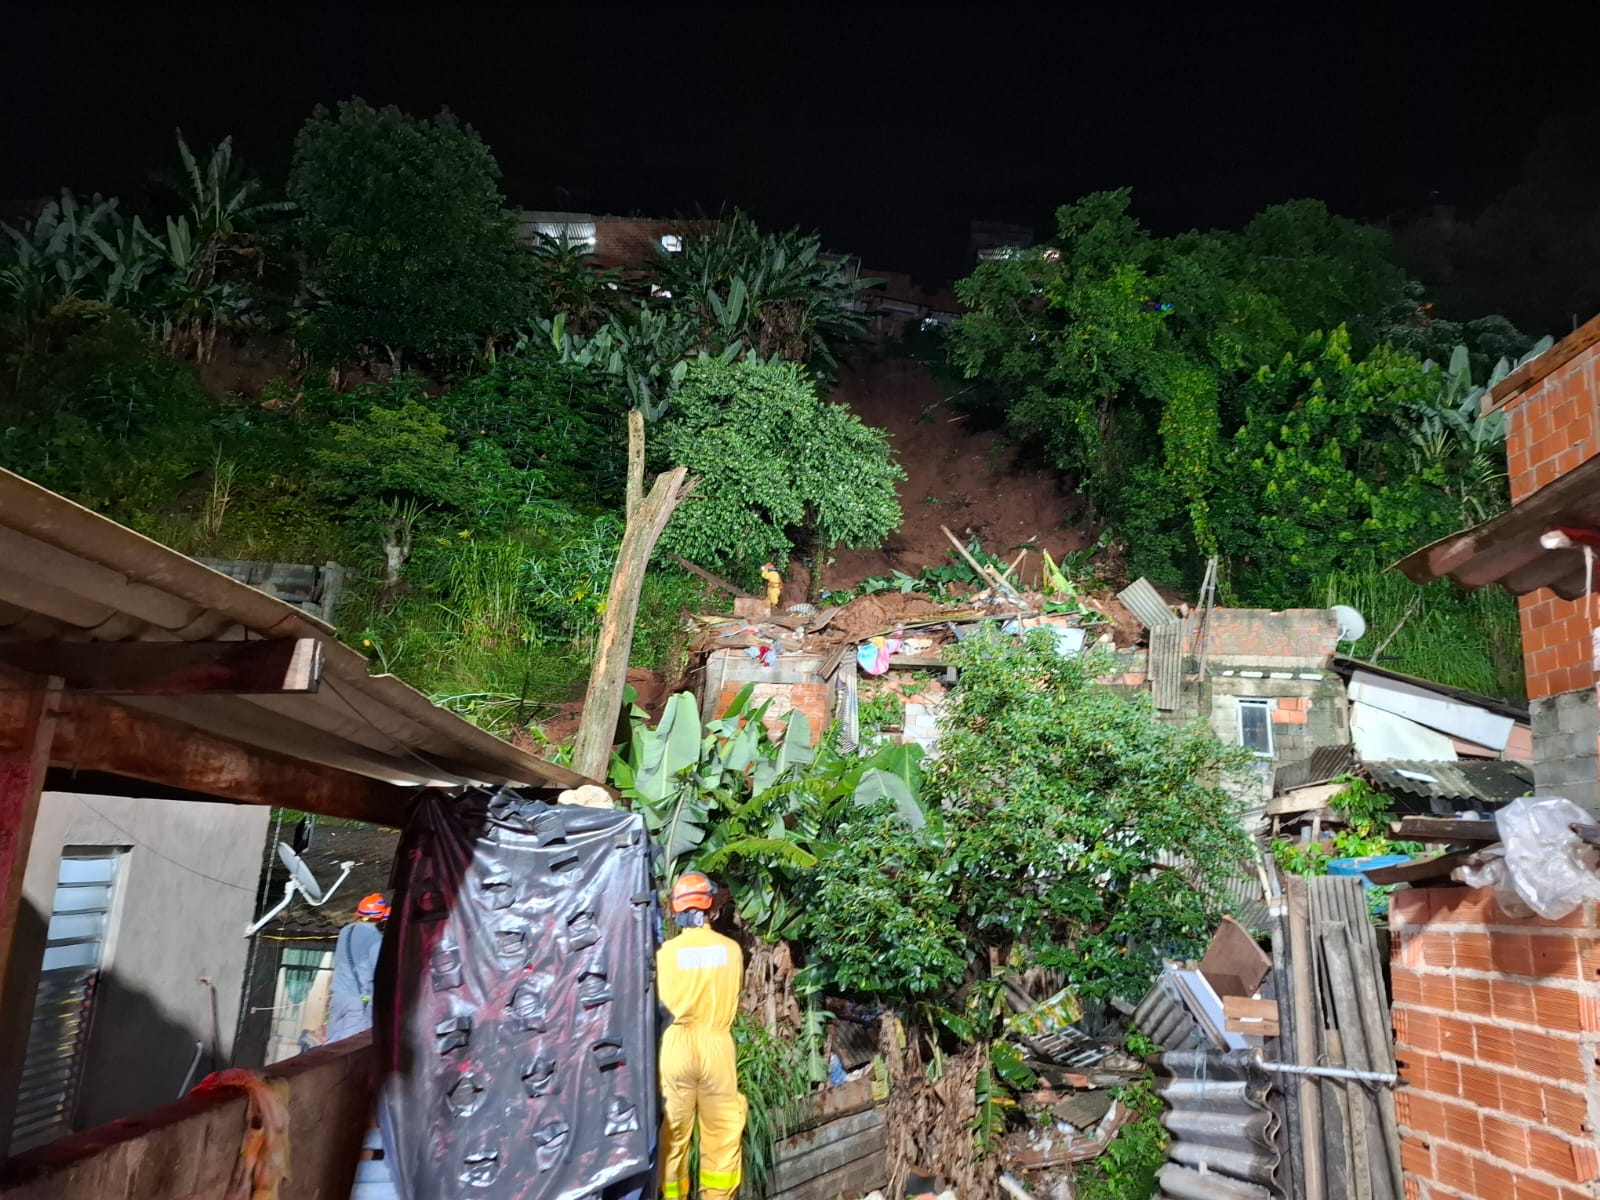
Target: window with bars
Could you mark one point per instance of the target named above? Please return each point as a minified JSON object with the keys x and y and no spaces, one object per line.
{"x":58,"y":1036}
{"x":1255,"y":726}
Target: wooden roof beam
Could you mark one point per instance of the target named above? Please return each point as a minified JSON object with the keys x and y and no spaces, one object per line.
{"x":93,"y":734}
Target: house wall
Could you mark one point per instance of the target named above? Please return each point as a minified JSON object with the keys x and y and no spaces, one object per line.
{"x":791,"y":682}
{"x":184,"y":894}
{"x":1497,"y":1027}
{"x":1553,"y":425}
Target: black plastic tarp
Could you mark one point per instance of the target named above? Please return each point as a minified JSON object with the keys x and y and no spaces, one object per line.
{"x":515,"y":1012}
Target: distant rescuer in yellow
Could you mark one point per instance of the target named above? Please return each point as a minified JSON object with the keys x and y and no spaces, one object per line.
{"x":699,"y":974}
{"x":774,"y":582}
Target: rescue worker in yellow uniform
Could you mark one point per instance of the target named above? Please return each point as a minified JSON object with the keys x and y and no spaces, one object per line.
{"x":699,"y":974}
{"x":774,"y":582}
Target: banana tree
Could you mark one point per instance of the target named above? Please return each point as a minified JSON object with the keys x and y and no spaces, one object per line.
{"x":757,"y":811}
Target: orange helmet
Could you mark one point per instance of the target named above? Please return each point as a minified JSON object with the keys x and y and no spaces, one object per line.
{"x":693,"y":891}
{"x":373,"y":905}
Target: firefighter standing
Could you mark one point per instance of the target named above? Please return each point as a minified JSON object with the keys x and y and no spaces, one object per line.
{"x":699,"y":973}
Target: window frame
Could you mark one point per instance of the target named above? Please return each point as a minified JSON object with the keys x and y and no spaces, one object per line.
{"x":1266,"y":705}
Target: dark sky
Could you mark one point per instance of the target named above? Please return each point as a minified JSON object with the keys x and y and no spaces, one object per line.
{"x":887,"y":126}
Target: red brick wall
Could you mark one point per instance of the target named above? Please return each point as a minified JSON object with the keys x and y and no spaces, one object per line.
{"x":1497,"y":1026}
{"x":1258,"y":634}
{"x":1550,"y":428}
{"x":810,"y":698}
{"x":1554,"y":425}
{"x":1556,"y":648}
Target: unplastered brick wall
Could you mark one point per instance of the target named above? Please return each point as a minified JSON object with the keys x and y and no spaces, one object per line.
{"x":1303,"y":638}
{"x":1557,"y":646}
{"x":1553,"y":423}
{"x":1552,"y":408}
{"x":1497,"y":1026}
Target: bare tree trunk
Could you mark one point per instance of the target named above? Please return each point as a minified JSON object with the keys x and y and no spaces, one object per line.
{"x":635,"y":492}
{"x":591,"y":752}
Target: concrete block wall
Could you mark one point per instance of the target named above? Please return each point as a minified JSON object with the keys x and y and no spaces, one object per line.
{"x":1566,"y":747}
{"x":1497,"y":1028}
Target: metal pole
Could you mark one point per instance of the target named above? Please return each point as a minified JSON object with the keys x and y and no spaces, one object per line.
{"x":1388,"y":1079}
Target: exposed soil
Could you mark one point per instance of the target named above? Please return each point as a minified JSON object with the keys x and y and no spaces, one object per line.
{"x":972,"y":482}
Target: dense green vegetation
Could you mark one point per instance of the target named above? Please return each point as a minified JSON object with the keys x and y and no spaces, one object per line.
{"x":1270,"y":396}
{"x":450,"y":417}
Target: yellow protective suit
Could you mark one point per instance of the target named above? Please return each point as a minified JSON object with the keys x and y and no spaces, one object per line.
{"x":774,"y":583}
{"x":699,"y":974}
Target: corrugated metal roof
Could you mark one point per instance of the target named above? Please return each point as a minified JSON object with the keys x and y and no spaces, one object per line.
{"x":1325,"y":765}
{"x":1224,"y":1138}
{"x":1165,"y":1020}
{"x":1144,"y":602}
{"x":1346,"y":669}
{"x":74,"y":575}
{"x":1506,"y":550}
{"x":1491,"y":782}
{"x":1166,"y":666}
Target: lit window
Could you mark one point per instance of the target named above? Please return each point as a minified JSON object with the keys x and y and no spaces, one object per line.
{"x":671,"y":243}
{"x":1255,"y":726}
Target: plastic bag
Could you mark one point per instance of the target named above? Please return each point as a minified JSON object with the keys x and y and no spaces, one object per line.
{"x":1546,"y":865}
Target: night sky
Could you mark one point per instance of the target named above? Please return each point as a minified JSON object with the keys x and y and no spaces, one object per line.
{"x":887,"y":126}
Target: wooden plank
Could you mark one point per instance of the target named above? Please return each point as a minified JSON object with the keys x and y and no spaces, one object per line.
{"x":715,"y":581}
{"x":1444,"y":829}
{"x":93,"y":734}
{"x":987,"y":574}
{"x":189,"y":1150}
{"x":909,"y":662}
{"x":1251,"y":1027}
{"x":263,"y":665}
{"x":1302,"y":800}
{"x":852,"y":1096}
{"x":849,"y":1181}
{"x":829,"y":1147}
{"x":31,"y":729}
{"x":1438,"y":867}
{"x":1244,"y":1008}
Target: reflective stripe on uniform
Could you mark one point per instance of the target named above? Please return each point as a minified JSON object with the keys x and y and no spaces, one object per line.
{"x":719,"y":1179}
{"x":674,"y":1190}
{"x":699,"y":958}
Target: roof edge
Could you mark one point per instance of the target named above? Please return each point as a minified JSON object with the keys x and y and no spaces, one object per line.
{"x":1537,"y":369}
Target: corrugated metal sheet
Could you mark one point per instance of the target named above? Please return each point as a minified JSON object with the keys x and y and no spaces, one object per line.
{"x":71,"y":574}
{"x":1506,"y":550}
{"x":1224,"y":1138}
{"x":1487,"y":784}
{"x":1326,"y":764}
{"x":1420,"y":703}
{"x":1378,"y":736}
{"x":1346,"y":669}
{"x":1144,"y":602}
{"x":1163,"y":1018}
{"x":1166,"y":666}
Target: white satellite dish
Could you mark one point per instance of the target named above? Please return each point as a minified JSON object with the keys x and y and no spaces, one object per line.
{"x":1352,"y":625}
{"x":300,"y":873}
{"x":300,"y":880}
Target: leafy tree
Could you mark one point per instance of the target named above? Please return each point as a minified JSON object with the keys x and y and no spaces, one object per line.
{"x":1069,"y":828}
{"x":778,"y":468}
{"x":410,"y":251}
{"x":393,"y":465}
{"x":549,"y":418}
{"x":1321,"y":470}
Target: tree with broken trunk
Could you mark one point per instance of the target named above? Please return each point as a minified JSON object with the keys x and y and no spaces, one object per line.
{"x":780,"y":470}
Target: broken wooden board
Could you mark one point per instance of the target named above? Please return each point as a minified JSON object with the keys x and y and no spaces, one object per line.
{"x":1444,"y":829}
{"x":1438,"y":867}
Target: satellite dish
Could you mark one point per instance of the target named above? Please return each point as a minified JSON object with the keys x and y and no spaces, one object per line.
{"x":1352,"y":625}
{"x":300,"y":880}
{"x":300,"y":873}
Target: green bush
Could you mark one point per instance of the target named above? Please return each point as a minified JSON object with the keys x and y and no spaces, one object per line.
{"x":778,"y":468}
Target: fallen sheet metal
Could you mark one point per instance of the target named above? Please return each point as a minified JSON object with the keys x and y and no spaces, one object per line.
{"x":1224,"y":1141}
